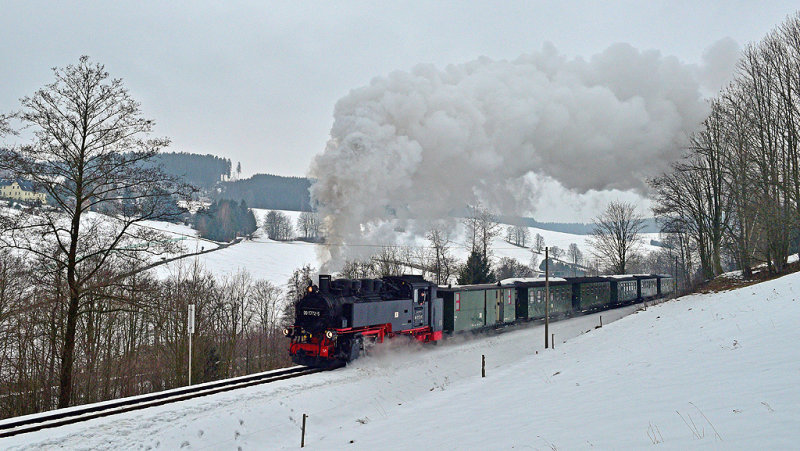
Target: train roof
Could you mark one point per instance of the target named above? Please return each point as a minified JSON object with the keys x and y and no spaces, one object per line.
{"x":523,"y":280}
{"x":473,"y":287}
{"x":586,"y":279}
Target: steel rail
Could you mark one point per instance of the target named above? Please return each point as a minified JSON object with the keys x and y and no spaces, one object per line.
{"x":60,"y":418}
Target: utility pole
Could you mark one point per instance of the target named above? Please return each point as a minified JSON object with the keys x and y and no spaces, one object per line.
{"x":546,"y":296}
{"x":675,"y":293}
{"x":190,"y":328}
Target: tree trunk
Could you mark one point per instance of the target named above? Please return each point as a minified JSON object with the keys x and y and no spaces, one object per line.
{"x":68,"y":354}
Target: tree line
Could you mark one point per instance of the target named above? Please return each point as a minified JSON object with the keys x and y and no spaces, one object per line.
{"x":82,"y":317}
{"x":733,"y":200}
{"x":131,"y":337}
{"x":269,"y":192}
{"x":202,"y":171}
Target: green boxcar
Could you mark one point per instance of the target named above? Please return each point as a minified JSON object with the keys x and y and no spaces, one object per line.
{"x":666,"y":285}
{"x":560,"y":300}
{"x":590,"y":292}
{"x":464,"y":308}
{"x":648,"y":286}
{"x":623,"y":289}
{"x":595,"y":295}
{"x":472,"y":307}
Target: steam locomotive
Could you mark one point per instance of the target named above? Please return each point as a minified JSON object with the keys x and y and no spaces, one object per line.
{"x":336,"y":319}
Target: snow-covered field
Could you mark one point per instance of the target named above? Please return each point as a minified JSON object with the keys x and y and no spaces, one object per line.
{"x":275,"y":261}
{"x":261,"y":257}
{"x":185,"y":235}
{"x":713,"y":371}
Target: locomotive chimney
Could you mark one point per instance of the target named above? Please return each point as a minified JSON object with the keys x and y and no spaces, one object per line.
{"x":324,"y":282}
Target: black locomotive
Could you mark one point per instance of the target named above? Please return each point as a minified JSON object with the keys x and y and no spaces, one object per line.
{"x":333,"y":319}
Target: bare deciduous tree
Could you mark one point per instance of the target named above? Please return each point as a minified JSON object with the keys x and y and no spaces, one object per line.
{"x":90,"y":154}
{"x":533,"y":263}
{"x":575,"y":256}
{"x":481,"y":227}
{"x":308,"y":224}
{"x":518,"y":235}
{"x":267,"y":309}
{"x":442,"y":265}
{"x":538,"y":243}
{"x":5,"y":128}
{"x":616,"y":235}
{"x":278,"y":226}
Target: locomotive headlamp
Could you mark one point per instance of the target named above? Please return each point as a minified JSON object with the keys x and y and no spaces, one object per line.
{"x":330,"y":334}
{"x":287,"y":332}
{"x":310,"y":289}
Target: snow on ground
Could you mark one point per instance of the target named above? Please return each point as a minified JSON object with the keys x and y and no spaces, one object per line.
{"x":261,"y":257}
{"x":275,"y":261}
{"x":707,"y":371}
{"x":185,"y":235}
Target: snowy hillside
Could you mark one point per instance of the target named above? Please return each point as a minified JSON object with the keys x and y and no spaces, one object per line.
{"x":275,"y":261}
{"x":707,"y":371}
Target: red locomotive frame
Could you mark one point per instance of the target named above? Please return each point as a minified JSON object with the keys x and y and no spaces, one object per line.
{"x":320,"y":346}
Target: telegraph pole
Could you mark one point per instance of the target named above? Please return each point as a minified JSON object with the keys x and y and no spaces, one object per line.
{"x":546,"y":297}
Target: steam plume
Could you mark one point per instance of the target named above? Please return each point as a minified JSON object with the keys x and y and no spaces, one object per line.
{"x":425,"y":142}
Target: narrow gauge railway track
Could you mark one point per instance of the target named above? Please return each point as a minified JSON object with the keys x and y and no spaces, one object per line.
{"x":79,"y":414}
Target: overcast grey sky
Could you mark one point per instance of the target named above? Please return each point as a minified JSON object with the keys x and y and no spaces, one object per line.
{"x":257,"y":81}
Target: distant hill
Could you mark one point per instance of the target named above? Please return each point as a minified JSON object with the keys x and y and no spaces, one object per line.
{"x":202,"y":171}
{"x":268,"y":191}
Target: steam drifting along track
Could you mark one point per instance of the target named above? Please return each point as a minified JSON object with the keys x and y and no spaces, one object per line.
{"x":84,"y":413}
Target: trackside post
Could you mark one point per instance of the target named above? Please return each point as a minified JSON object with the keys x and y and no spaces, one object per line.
{"x":190,"y":329}
{"x":546,"y":295}
{"x":303,"y":433}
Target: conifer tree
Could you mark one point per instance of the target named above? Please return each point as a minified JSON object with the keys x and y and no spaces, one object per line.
{"x":477,"y":270}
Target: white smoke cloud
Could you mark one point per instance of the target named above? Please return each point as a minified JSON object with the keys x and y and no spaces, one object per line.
{"x":421,"y":143}
{"x":719,"y":64}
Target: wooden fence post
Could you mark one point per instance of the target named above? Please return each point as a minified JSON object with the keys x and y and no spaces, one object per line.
{"x":303,"y":436}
